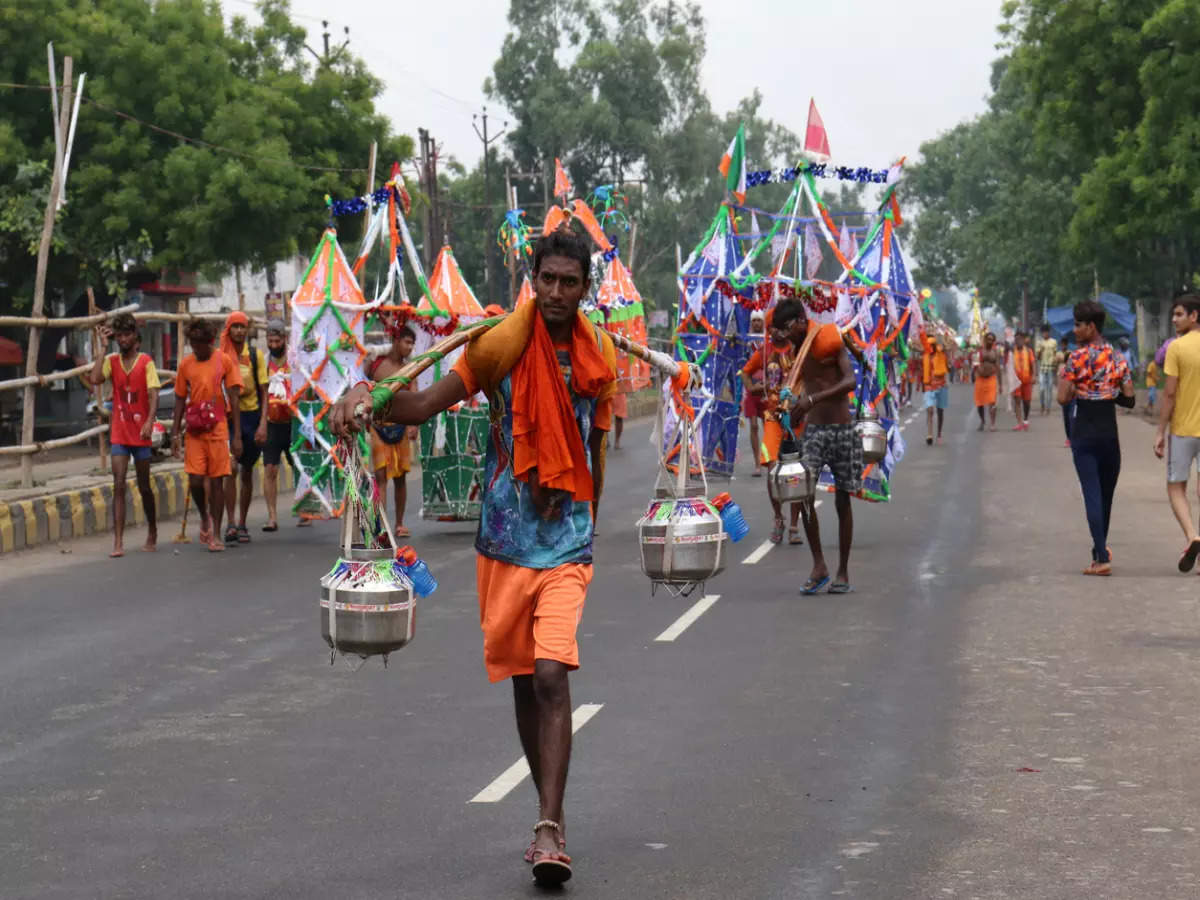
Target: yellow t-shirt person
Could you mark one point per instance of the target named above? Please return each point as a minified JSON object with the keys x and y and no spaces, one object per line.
{"x":1047,"y":349}
{"x":249,"y":399}
{"x":1183,"y":362}
{"x":1152,"y":374}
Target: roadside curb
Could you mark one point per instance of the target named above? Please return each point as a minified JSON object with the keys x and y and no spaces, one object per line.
{"x":58,"y":517}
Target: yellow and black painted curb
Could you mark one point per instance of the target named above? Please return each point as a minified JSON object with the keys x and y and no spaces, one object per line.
{"x":54,"y":518}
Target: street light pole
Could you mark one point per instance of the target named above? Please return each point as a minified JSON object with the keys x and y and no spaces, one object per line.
{"x":476,"y":120}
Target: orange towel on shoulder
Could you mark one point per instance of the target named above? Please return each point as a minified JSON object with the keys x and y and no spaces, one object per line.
{"x":827,"y":343}
{"x":545,"y":435}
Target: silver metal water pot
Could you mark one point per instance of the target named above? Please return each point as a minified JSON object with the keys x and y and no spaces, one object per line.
{"x":788,"y":481}
{"x":873,"y":436}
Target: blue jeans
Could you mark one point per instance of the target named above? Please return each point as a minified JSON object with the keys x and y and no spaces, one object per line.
{"x":1098,"y":465}
{"x":1046,"y":388}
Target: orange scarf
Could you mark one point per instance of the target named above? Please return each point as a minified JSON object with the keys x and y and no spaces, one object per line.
{"x":545,"y":434}
{"x":1023,"y":363}
{"x":237,"y":317}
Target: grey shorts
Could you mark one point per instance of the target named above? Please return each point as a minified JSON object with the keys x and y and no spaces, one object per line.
{"x":840,"y":448}
{"x":1181,"y":454}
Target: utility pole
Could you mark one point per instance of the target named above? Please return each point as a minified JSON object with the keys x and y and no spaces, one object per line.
{"x":326,"y":59}
{"x":1024,"y":298}
{"x":487,"y":193}
{"x":427,"y":217}
{"x":435,"y":227}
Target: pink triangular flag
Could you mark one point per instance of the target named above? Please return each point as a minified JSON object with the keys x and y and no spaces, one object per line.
{"x":816,"y":141}
{"x":844,"y":241}
{"x":812,"y":252}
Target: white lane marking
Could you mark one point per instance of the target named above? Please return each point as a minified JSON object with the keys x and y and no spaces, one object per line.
{"x":698,"y":609}
{"x":759,"y":552}
{"x":519,"y":771}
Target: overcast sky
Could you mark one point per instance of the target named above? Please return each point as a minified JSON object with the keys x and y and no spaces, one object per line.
{"x":886,"y":75}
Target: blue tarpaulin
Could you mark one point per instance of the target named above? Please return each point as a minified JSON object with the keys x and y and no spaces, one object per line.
{"x":1121,"y":321}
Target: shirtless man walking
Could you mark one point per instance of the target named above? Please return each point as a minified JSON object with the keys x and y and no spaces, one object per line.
{"x":987,"y":374}
{"x":829,"y":436}
{"x":391,"y":445}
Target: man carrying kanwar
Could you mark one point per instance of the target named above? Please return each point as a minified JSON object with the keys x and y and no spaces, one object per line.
{"x":830,"y":438}
{"x":549,"y":376}
{"x":771,"y":363}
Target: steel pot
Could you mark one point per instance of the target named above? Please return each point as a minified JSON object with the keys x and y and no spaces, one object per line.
{"x":682,"y":541}
{"x":368,"y":622}
{"x":789,"y":481}
{"x":873,"y":436}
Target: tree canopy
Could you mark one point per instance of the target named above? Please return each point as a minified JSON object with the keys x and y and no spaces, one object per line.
{"x":200,"y":145}
{"x":1084,"y":166}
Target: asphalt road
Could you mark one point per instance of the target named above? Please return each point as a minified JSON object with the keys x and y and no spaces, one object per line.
{"x":170,"y":725}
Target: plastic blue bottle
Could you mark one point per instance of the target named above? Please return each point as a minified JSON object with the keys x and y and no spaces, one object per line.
{"x":731,"y":517}
{"x":418,"y":573}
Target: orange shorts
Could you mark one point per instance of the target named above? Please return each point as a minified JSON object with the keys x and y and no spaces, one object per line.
{"x":1024,"y":391}
{"x":772,"y":439}
{"x":620,"y":406}
{"x":528,"y":614}
{"x":204,"y":455}
{"x":395,"y":458}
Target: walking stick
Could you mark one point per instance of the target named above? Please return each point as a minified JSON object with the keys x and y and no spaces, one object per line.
{"x":182,"y":537}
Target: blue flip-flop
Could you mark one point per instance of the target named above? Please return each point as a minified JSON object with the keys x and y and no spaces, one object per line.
{"x":814,"y":586}
{"x":841,"y":587}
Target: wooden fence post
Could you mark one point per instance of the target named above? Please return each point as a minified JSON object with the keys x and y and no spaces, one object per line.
{"x":29,"y":397}
{"x":98,"y":349}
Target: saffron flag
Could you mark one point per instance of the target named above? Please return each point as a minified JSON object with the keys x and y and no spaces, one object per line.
{"x":816,"y":141}
{"x":562,"y":184}
{"x":733,"y":165}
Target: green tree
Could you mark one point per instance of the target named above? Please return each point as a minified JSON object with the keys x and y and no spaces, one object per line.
{"x":273,"y":133}
{"x":1084,"y":166}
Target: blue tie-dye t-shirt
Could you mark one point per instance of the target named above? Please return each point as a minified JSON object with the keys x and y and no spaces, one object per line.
{"x":510,"y":528}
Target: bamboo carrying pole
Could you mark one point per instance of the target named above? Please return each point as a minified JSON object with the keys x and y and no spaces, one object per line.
{"x":408,"y":373}
{"x":29,"y":400}
{"x":436,"y":353}
{"x":660,"y":361}
{"x":793,"y":377}
{"x":98,"y":349}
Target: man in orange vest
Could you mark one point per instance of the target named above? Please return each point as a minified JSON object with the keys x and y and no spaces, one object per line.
{"x":135,"y":387}
{"x":936,"y":368}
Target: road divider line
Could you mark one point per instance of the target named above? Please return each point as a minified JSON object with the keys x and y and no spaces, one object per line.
{"x":699,"y":608}
{"x":759,"y":552}
{"x":519,"y":771}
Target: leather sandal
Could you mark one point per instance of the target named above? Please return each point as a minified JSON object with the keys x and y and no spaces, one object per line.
{"x":551,"y":867}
